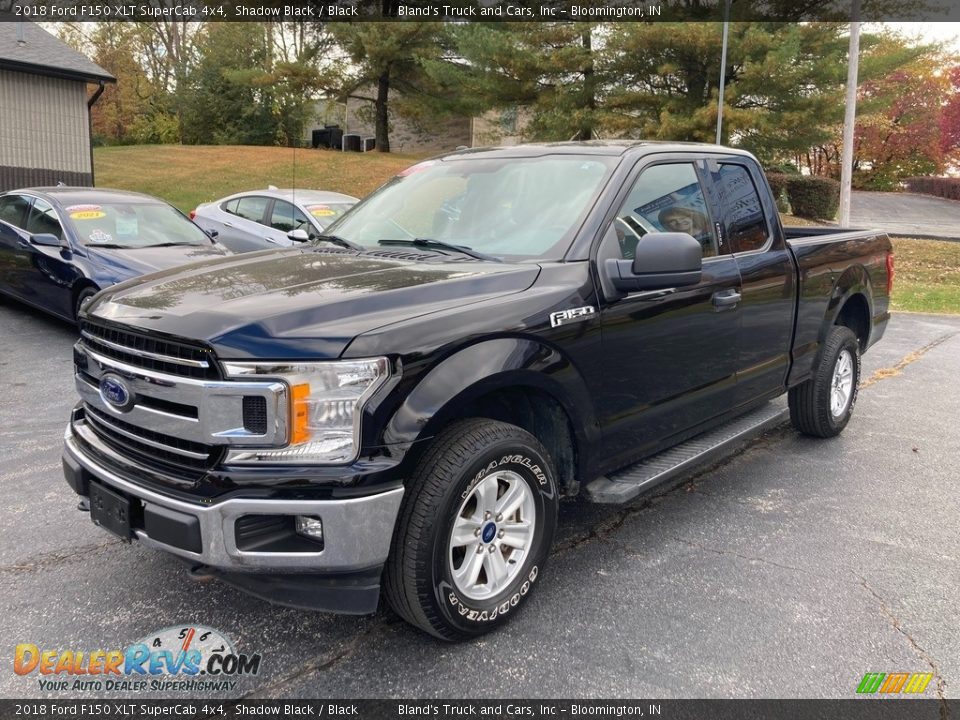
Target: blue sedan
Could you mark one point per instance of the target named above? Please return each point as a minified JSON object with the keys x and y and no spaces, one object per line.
{"x":60,"y":246}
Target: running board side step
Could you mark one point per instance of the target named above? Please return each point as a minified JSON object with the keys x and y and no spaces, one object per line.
{"x":624,"y":485}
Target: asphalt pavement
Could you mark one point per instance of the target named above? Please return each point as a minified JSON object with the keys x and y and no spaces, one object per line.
{"x":788,"y":570}
{"x":906,"y":214}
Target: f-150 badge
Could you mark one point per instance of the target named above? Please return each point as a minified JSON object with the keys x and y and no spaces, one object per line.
{"x":564,"y":317}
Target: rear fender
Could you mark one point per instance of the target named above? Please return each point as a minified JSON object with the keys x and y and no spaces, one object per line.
{"x":853,"y":281}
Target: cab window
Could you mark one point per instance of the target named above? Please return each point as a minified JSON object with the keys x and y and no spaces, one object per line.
{"x":665,"y":198}
{"x":43,"y":219}
{"x":746,"y":225}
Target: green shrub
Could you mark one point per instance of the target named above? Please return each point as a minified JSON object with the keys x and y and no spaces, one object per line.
{"x":778,"y":186}
{"x":816,"y":198}
{"x":783,"y":168}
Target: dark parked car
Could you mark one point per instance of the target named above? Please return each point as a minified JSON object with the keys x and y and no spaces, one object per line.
{"x":266,"y":219}
{"x":60,"y":246}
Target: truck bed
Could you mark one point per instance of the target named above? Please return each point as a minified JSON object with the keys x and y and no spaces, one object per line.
{"x":831,"y":262}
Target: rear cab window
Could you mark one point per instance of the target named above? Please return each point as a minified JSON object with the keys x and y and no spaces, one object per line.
{"x":746,"y":223}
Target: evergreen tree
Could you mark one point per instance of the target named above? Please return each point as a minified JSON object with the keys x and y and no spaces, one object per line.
{"x":556,"y":71}
{"x":225,"y":103}
{"x":385,"y":58}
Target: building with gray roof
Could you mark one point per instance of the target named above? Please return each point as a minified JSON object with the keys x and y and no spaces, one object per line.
{"x":45,"y":108}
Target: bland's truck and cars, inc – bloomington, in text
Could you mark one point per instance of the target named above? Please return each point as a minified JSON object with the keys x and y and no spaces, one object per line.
{"x":403,"y":403}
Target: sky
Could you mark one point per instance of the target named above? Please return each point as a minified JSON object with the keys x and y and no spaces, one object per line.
{"x":945,"y":32}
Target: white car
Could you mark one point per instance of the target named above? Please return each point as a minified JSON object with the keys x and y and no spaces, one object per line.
{"x":261,"y":219}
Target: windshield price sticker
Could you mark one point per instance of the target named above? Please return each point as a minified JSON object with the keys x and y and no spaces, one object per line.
{"x":86,"y":212}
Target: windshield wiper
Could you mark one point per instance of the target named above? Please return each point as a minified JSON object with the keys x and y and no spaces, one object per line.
{"x":337,"y":240}
{"x":440,"y":245}
{"x":170,"y":244}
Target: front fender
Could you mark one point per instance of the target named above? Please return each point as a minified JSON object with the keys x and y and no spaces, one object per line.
{"x":448,"y":388}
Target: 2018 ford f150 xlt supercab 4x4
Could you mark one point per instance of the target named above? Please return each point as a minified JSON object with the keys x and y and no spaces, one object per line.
{"x":405,"y":403}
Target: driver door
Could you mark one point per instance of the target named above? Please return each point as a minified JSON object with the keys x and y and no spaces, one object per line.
{"x":670,"y":354}
{"x":52,"y":272}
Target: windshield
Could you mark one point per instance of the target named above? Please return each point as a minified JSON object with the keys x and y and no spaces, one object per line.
{"x":516,"y":208}
{"x":133,"y":225}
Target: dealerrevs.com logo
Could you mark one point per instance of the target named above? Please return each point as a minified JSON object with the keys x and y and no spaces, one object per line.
{"x":179,"y":658}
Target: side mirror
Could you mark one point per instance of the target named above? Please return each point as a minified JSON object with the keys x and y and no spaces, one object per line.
{"x":662,"y":260}
{"x":212,"y":234}
{"x":48,"y":240}
{"x":298,"y":235}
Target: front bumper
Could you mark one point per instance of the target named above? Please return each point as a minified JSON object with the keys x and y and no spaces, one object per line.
{"x":356,"y":533}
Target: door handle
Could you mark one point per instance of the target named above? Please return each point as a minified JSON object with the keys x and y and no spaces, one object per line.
{"x":228,"y":224}
{"x":726,"y":298}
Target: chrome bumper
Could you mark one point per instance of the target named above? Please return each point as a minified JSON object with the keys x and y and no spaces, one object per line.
{"x":357,"y":531}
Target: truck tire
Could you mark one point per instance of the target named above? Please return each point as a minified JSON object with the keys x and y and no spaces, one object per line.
{"x":474,"y":530}
{"x":822,"y":405}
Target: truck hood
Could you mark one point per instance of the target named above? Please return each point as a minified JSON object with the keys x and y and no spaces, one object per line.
{"x":300,"y":303}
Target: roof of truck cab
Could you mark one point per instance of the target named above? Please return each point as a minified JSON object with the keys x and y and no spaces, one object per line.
{"x":591,"y":147}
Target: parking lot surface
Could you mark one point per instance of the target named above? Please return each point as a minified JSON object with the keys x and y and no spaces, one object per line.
{"x":788,"y":570}
{"x":909,"y":214}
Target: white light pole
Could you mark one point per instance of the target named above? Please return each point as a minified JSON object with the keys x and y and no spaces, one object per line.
{"x":723,"y":66}
{"x":846,"y":156}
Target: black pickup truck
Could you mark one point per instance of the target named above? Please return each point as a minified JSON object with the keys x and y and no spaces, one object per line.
{"x":406,"y":402}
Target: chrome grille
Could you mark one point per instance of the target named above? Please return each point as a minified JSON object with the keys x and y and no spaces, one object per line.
{"x":159,"y":452}
{"x":176,"y":426}
{"x":175,"y":357}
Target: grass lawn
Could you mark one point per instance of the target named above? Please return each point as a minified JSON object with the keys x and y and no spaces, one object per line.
{"x":927,"y":275}
{"x":188,"y":175}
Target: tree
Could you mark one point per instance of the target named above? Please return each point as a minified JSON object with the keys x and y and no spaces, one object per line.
{"x":167,"y":51}
{"x":901,"y":91}
{"x":950,"y":119}
{"x":132,"y":109}
{"x":783,"y":89}
{"x":383,"y":58}
{"x":225,"y":103}
{"x":901,"y":136}
{"x":555,"y":70}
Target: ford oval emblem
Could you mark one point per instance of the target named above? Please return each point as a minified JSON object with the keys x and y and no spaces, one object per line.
{"x":115,"y":392}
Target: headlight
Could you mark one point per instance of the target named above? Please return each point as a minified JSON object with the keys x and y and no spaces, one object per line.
{"x":325,"y":400}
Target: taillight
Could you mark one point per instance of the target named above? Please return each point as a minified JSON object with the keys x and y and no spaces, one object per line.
{"x":193,"y":215}
{"x":890,"y":273}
